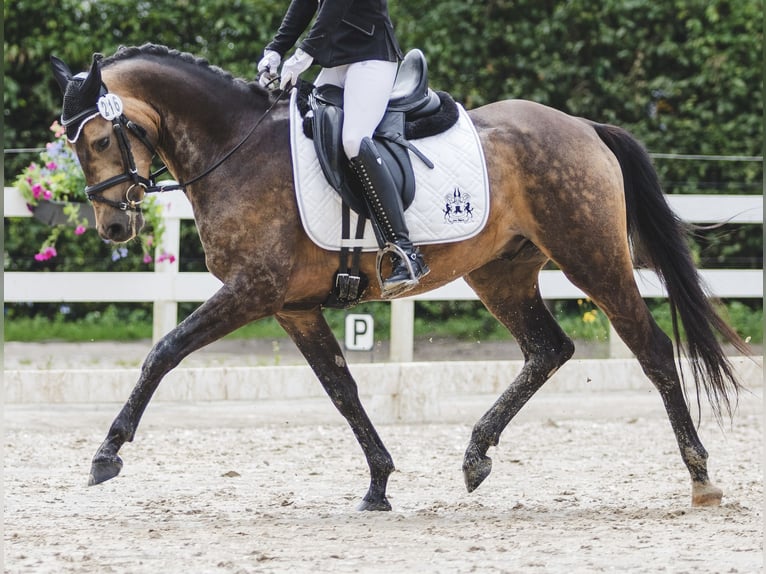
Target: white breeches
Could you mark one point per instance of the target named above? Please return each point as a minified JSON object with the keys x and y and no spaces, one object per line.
{"x":367,"y":87}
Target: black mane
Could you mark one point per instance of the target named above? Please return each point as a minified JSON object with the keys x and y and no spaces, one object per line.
{"x":163,"y":52}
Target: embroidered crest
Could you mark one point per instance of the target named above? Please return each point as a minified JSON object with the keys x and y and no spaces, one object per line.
{"x":457,"y":207}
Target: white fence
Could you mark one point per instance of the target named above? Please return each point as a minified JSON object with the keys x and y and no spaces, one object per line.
{"x":166,"y":286}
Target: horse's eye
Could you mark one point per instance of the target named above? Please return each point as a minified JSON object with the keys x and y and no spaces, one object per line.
{"x":102,"y":144}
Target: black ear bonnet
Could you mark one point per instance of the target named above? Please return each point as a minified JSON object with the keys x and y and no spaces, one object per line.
{"x":81,"y":94}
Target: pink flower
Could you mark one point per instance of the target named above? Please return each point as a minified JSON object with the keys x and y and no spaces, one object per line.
{"x":51,"y":165}
{"x":147,"y":258}
{"x":79,"y":230}
{"x":57,"y":129}
{"x":37,"y":190}
{"x":45,"y":254}
{"x":166,"y":257}
{"x":47,"y":194}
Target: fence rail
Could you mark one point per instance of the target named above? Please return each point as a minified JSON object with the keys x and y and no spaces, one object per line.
{"x":166,"y":286}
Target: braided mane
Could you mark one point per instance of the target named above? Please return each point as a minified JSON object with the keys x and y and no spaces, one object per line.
{"x":163,"y":52}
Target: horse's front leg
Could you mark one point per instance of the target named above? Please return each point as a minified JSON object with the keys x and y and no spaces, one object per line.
{"x":224,"y":312}
{"x":312,"y":335}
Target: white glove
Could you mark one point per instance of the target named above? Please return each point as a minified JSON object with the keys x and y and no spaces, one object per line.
{"x":293,"y":67}
{"x":267,"y":68}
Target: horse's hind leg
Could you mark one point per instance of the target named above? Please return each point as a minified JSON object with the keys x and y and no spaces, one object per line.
{"x":631,"y":319}
{"x":310,"y":332}
{"x":509,"y":290}
{"x":613,"y":288}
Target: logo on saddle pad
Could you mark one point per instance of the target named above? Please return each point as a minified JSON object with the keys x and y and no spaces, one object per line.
{"x":457,"y":207}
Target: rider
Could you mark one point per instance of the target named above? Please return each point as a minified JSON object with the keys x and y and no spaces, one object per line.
{"x":354,"y":42}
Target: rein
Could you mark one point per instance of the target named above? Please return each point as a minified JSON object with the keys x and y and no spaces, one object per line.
{"x":121,"y":124}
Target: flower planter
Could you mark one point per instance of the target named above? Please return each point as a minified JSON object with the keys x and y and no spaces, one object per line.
{"x":52,"y":212}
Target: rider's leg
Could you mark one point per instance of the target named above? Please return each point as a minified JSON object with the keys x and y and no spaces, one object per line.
{"x":367,"y":89}
{"x":386,"y":208}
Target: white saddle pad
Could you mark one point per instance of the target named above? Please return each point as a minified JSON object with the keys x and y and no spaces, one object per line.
{"x":451,"y":201}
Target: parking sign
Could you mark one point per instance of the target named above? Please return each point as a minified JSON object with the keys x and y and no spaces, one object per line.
{"x":360,"y":334}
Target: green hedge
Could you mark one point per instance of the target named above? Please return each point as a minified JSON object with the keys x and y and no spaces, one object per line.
{"x":683,"y":75}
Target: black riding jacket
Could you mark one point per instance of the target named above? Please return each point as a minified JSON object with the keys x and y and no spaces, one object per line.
{"x":345,"y":31}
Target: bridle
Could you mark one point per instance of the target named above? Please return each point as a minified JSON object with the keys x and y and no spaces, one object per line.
{"x":121,"y":125}
{"x":110,"y":108}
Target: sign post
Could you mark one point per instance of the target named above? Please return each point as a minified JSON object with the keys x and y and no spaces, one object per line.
{"x":360,"y":332}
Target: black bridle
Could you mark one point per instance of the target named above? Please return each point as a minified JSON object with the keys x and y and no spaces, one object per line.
{"x":121,"y":126}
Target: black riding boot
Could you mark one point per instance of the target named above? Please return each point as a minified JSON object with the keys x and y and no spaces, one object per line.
{"x":387,"y":213}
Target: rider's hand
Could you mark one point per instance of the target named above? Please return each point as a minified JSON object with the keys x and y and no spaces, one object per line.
{"x":294,"y":66}
{"x":267,"y":68}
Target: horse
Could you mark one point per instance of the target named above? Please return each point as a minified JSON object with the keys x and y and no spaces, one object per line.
{"x":563,"y":189}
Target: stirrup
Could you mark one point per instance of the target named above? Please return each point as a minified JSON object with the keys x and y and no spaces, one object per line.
{"x":388,"y":292}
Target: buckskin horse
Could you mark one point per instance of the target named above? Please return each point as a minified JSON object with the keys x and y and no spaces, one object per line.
{"x":564,"y":189}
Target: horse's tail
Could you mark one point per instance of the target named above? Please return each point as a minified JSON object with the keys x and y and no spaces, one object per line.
{"x":659,"y":239}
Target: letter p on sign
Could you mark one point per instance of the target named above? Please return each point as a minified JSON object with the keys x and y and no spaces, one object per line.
{"x":360,"y":334}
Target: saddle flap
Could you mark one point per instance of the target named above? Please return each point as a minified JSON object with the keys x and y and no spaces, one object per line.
{"x":328,"y":142}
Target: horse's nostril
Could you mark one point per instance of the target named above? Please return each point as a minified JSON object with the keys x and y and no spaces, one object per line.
{"x":116,"y":231}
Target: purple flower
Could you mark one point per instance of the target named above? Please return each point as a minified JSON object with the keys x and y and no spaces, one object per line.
{"x":79,"y":230}
{"x":119,"y":253}
{"x":37,"y":190}
{"x":147,"y":258}
{"x":51,"y":165}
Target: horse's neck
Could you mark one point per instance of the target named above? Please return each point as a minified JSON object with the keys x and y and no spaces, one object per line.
{"x":200,"y":116}
{"x":194,"y":139}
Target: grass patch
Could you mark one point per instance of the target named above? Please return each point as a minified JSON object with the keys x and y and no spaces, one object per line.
{"x":461,"y":320}
{"x":104,"y":325}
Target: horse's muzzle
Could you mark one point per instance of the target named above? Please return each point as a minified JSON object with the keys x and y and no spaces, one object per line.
{"x":122,"y":227}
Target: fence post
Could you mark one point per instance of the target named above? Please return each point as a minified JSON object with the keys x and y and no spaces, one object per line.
{"x":166,"y":311}
{"x":402,"y":330}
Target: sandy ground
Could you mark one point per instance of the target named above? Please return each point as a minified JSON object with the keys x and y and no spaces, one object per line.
{"x":582,"y":482}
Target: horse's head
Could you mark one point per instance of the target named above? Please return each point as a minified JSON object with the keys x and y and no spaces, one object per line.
{"x":113,"y":150}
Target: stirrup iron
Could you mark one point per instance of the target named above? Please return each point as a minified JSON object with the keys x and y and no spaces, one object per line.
{"x":401,"y":287}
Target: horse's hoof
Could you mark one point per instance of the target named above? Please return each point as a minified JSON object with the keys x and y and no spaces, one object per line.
{"x":705,"y":494}
{"x":375,"y":505}
{"x":103,"y":469}
{"x":475,"y":470}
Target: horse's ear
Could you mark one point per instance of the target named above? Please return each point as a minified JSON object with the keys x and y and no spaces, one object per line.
{"x":61,"y":72}
{"x":91,"y":88}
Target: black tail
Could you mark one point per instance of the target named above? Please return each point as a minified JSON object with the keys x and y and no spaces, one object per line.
{"x":660,"y":237}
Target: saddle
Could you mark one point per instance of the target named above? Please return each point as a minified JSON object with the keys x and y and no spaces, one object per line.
{"x":414,"y":111}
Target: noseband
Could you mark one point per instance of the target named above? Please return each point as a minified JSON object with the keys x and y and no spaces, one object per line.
{"x":110,"y":108}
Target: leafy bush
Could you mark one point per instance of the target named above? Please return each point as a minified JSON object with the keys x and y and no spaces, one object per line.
{"x":683,"y":75}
